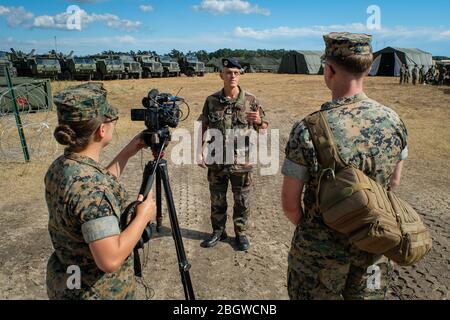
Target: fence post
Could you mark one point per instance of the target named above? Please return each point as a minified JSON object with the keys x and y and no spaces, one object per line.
{"x":23,"y":142}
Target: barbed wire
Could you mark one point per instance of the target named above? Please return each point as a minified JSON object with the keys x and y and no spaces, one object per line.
{"x":37,"y":123}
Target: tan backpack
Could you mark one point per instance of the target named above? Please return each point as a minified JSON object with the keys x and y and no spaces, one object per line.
{"x":374,"y":219}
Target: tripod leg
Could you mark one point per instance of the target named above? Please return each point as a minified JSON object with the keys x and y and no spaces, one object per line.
{"x":183,"y":264}
{"x":159,"y":216}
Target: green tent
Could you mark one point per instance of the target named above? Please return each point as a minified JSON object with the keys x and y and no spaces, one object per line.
{"x":301,"y":62}
{"x":387,"y":62}
{"x":214,"y":64}
{"x":259,"y":64}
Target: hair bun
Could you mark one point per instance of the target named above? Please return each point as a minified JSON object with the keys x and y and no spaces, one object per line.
{"x":65,"y":135}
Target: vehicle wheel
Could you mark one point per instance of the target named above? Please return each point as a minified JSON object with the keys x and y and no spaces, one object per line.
{"x":166,"y":74}
{"x":67,"y":76}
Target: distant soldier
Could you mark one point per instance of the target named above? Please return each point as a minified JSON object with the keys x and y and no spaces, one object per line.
{"x":415,"y":74}
{"x":230,"y":109}
{"x":430,"y":77}
{"x":441,"y":75}
{"x":402,"y":74}
{"x":422,"y":75}
{"x":407,"y":74}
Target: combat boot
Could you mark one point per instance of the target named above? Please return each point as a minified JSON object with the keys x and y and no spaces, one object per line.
{"x":214,"y":238}
{"x":242,"y":243}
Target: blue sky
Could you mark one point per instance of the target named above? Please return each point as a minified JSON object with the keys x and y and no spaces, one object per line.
{"x":162,"y":25}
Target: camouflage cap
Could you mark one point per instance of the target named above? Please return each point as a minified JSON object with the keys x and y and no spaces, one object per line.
{"x":83,"y":102}
{"x":345,"y":44}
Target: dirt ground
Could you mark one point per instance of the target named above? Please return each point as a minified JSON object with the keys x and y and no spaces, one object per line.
{"x":222,"y":272}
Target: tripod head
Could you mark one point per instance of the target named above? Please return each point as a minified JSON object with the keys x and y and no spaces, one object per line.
{"x":158,"y":140}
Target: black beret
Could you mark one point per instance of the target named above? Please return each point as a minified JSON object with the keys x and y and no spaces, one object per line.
{"x":231,"y":63}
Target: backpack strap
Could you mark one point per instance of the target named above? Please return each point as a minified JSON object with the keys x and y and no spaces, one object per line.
{"x":326,"y":149}
{"x":324,"y":142}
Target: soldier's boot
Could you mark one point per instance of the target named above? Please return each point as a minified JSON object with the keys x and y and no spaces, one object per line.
{"x":214,"y":239}
{"x":242,"y":243}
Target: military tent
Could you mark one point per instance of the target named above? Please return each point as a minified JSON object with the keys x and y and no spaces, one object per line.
{"x":301,"y":62}
{"x":259,"y":64}
{"x":387,"y":62}
{"x":214,"y":65}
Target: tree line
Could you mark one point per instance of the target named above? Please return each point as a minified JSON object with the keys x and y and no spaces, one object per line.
{"x":203,"y":55}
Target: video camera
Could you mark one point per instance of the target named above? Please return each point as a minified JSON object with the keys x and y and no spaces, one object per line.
{"x":161,"y":110}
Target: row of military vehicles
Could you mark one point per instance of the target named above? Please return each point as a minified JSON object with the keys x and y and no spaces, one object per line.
{"x":98,"y":67}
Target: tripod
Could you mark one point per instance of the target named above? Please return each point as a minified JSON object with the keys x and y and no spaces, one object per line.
{"x":158,"y":168}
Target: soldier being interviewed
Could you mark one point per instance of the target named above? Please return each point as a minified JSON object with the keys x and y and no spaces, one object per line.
{"x":324,"y":264}
{"x":232,"y":108}
{"x":85,"y":201}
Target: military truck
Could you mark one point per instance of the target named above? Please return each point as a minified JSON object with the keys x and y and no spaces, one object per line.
{"x":151,"y":67}
{"x":76,"y":68}
{"x":132,"y":68}
{"x":171,"y":68}
{"x":191,"y":66}
{"x":108,"y":67}
{"x":37,"y":66}
{"x":6,"y":63}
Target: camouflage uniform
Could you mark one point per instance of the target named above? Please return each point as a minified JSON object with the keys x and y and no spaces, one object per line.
{"x":422,"y":75}
{"x":402,"y":74}
{"x":407,"y":75}
{"x":222,"y":113}
{"x":84,"y":202}
{"x":322,"y":263}
{"x":415,"y":75}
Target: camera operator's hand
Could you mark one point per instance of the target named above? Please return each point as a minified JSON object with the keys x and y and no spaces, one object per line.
{"x":147,"y":209}
{"x":135,"y":145}
{"x":201,"y":161}
{"x":117,"y":166}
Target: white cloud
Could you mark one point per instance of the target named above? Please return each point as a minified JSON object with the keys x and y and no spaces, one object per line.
{"x":59,"y":21}
{"x":445,"y":34}
{"x":146,"y":8}
{"x":16,"y":16}
{"x":87,"y":1}
{"x":228,"y":6}
{"x":399,"y":32}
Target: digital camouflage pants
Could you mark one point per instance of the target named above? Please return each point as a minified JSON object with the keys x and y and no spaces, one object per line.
{"x":322,"y":265}
{"x":218,"y":186}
